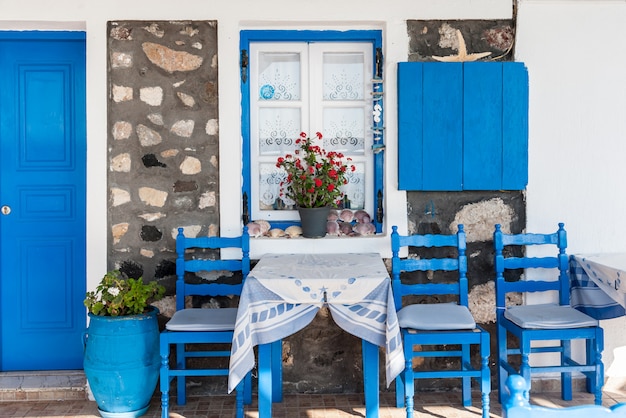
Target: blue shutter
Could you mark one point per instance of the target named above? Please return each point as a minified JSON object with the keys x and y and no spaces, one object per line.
{"x":462,"y":126}
{"x":410,"y":137}
{"x":515,"y":126}
{"x":482,"y":133}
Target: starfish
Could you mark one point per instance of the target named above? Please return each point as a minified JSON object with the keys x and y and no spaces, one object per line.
{"x":462,"y":55}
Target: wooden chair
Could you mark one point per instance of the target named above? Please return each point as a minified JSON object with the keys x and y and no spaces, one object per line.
{"x":202,"y":327}
{"x":441,"y":329}
{"x":517,"y":405}
{"x":556,"y":325}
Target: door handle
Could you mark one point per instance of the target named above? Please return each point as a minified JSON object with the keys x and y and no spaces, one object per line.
{"x":5,"y":210}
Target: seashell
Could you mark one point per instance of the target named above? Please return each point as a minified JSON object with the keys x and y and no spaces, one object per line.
{"x":346,"y":215}
{"x":254,"y":229}
{"x":345,"y":228}
{"x":362,"y":217}
{"x":276,"y":233}
{"x":333,"y":215}
{"x":293,"y":231}
{"x":364,"y":229}
{"x":265,"y":226}
{"x":332,"y":228}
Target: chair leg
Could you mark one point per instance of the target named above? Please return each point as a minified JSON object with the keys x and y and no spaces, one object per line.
{"x":467,"y":381}
{"x":181,"y":380}
{"x":502,"y":359}
{"x":409,"y":387}
{"x":566,"y":377}
{"x":239,"y":398}
{"x":164,"y":378}
{"x":485,"y":375}
{"x":525,"y":361}
{"x":247,"y":389}
{"x":400,"y":391}
{"x":598,"y":345}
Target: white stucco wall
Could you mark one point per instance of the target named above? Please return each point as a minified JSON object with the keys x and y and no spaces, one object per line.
{"x":576,"y":58}
{"x":574,"y":51}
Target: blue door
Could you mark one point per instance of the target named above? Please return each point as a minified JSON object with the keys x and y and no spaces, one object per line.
{"x":42,"y":200}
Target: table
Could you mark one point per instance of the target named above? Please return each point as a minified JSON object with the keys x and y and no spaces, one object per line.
{"x":596,"y":284}
{"x":282,"y":295}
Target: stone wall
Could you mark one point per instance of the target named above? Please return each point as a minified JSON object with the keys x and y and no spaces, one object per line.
{"x":162,"y":141}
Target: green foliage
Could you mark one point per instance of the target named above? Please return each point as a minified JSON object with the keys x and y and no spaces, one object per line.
{"x":118,"y":295}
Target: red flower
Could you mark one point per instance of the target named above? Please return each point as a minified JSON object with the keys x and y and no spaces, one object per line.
{"x":314,"y":176}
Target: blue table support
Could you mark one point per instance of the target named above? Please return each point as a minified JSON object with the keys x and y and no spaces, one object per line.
{"x":270,"y":378}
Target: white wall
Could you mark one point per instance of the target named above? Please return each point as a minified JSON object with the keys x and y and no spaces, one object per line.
{"x":576,"y":59}
{"x":574,"y":50}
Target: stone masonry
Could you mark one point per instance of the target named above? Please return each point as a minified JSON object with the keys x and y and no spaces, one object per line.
{"x":163,"y":141}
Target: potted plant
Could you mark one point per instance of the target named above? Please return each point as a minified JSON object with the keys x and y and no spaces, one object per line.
{"x":313,"y":182}
{"x":121,"y":359}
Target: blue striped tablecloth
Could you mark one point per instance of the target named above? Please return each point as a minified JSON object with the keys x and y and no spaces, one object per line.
{"x":596,"y":286}
{"x":283,"y":293}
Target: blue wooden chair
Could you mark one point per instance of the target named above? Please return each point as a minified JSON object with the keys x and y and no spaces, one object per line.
{"x":517,"y":405}
{"x":436,"y":316}
{"x":555,"y":325}
{"x":202,"y":327}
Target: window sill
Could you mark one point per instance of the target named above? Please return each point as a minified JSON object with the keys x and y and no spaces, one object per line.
{"x":379,"y":243}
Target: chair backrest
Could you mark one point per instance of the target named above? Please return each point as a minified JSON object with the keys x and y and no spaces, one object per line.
{"x":202,"y":259}
{"x":517,"y":405}
{"x":458,"y":262}
{"x":508,"y":248}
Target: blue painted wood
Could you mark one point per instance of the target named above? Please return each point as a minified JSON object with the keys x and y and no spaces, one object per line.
{"x":488,"y":151}
{"x":517,"y":405}
{"x":482,"y":126}
{"x":442,"y":157}
{"x":265,"y":380}
{"x":410,"y":122}
{"x":507,"y":249}
{"x":514,"y":126}
{"x":370,"y":378}
{"x":438,"y":343}
{"x":192,"y":257}
{"x":43,"y":161}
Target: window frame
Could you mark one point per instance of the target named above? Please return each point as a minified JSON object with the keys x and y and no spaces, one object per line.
{"x":373,"y":37}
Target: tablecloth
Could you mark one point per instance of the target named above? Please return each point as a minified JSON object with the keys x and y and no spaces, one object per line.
{"x":283,"y":293}
{"x":596,"y":286}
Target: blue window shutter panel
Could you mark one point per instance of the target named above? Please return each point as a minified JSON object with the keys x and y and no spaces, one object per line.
{"x":443,"y":126}
{"x":482,"y":126}
{"x":410,"y":138}
{"x":462,"y":126}
{"x":515,"y":126}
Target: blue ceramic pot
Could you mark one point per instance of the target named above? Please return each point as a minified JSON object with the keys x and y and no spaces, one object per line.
{"x":122,"y":362}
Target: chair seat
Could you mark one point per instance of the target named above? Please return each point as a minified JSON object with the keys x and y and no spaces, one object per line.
{"x":548,"y":316}
{"x":200,"y":319}
{"x":436,"y":317}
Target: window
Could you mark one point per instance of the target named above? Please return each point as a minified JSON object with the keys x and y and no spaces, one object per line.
{"x":309,"y":81}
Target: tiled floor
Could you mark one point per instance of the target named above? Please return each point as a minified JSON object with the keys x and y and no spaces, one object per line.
{"x":434,"y":405}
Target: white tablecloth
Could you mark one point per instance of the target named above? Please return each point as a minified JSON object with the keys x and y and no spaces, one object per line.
{"x":596,"y":284}
{"x":283,"y":293}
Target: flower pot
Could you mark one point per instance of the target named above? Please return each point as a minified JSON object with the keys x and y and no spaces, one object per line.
{"x":313,"y":221}
{"x":122,"y":362}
